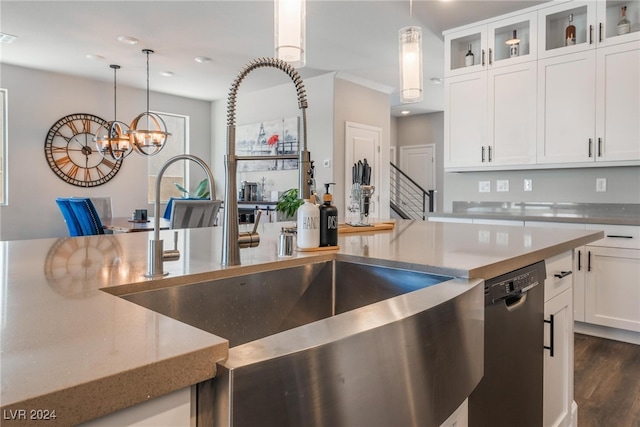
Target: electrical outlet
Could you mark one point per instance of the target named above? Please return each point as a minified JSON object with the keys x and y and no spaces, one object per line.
{"x":484,"y":186}
{"x":326,"y":163}
{"x":502,"y":185}
{"x":528,"y":185}
{"x":601,"y":184}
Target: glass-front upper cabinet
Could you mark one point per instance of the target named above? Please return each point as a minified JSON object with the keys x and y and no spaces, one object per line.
{"x":618,"y":21}
{"x":581,"y":25}
{"x":507,"y":41}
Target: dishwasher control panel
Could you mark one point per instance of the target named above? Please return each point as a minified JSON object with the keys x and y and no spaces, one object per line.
{"x":514,"y":283}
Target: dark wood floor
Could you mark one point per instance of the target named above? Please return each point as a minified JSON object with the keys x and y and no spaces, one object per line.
{"x":607,"y":382}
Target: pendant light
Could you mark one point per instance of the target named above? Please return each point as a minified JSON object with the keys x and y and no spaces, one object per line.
{"x":290,"y":31}
{"x":148,"y":131}
{"x":112,"y":140}
{"x":410,"y":62}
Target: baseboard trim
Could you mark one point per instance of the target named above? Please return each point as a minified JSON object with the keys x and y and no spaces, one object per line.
{"x":606,"y":332}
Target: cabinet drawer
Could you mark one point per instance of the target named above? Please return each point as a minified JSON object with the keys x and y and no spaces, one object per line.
{"x":617,"y":236}
{"x":559,"y":275}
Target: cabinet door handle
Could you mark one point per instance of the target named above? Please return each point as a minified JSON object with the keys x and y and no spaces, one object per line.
{"x":600,"y":33}
{"x":590,"y":34}
{"x":551,"y":328}
{"x":589,"y":261}
{"x":490,"y":56}
{"x":562,"y":274}
{"x":599,"y":147}
{"x":579,"y":260}
{"x":619,"y":236}
{"x":483,"y":57}
{"x":489,"y":153}
{"x":590,"y":147}
{"x":483,"y":154}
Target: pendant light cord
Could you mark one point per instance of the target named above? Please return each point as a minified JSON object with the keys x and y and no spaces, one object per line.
{"x":148,"y":52}
{"x":410,"y":12}
{"x":115,"y":96}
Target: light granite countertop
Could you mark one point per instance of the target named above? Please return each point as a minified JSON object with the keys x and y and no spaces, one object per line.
{"x":68,"y":343}
{"x":582,"y":213}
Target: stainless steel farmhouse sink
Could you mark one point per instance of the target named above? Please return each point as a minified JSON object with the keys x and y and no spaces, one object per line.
{"x":334,"y":343}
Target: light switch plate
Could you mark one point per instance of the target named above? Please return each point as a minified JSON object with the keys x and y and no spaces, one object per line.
{"x":528,"y":185}
{"x":326,"y":163}
{"x":502,"y":185}
{"x":601,"y":184}
{"x":484,"y":186}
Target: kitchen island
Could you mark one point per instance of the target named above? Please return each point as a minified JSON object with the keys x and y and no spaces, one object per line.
{"x":69,"y":344}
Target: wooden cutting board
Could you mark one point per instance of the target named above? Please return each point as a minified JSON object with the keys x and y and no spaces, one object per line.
{"x":379,"y":226}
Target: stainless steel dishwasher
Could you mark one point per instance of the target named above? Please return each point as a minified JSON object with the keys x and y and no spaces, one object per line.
{"x":510,"y":392}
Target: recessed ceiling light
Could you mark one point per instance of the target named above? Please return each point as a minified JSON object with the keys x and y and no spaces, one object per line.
{"x":128,"y":40}
{"x":94,"y":57}
{"x":202,"y":59}
{"x":436,"y":80}
{"x":166,"y":73}
{"x":405,"y":112}
{"x":7,"y":38}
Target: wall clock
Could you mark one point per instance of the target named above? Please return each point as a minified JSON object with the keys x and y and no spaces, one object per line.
{"x":72,"y":154}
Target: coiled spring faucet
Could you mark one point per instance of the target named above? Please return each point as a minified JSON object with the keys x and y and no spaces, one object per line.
{"x":231,"y":236}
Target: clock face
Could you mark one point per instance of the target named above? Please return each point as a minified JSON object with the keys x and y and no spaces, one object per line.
{"x":72,"y":154}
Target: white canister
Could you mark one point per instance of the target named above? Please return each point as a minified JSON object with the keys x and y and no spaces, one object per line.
{"x":308,"y":225}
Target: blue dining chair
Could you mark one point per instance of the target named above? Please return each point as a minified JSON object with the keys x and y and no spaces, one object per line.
{"x":69,"y":217}
{"x":87,"y":216}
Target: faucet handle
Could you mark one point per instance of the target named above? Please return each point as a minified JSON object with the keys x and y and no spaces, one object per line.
{"x":250,"y":239}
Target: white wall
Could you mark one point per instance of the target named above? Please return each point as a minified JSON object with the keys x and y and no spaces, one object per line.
{"x":549,"y":185}
{"x":425,"y":129}
{"x":359,"y":104}
{"x":332,"y":101}
{"x":36,"y":101}
{"x":272,"y":104}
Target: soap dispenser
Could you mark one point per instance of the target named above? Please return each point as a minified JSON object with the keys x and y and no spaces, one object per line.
{"x":328,"y":219}
{"x":308,"y":225}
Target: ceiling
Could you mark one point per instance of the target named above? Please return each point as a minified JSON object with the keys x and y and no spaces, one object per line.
{"x":356,"y":39}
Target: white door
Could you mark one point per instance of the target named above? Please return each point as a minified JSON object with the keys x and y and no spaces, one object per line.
{"x":418,"y":162}
{"x":363,"y":142}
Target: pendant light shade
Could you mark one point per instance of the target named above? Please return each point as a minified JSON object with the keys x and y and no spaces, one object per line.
{"x":148,"y":132}
{"x":112,"y":140}
{"x":290,"y":31}
{"x":411,"y":65}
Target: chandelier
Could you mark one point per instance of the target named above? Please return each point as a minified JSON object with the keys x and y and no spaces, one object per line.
{"x":148,"y":132}
{"x":111,"y":139}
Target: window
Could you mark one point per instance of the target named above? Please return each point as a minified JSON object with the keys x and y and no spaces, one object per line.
{"x":177,"y":143}
{"x":3,"y":147}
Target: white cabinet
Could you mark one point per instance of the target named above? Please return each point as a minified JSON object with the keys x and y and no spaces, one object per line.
{"x":612,"y":288}
{"x":596,"y":25}
{"x":558,"y":369}
{"x":558,"y":338}
{"x":617,"y":132}
{"x":460,"y":417}
{"x":576,"y":88}
{"x":490,"y":117}
{"x":567,"y":94}
{"x":491,"y":44}
{"x":553,"y":105}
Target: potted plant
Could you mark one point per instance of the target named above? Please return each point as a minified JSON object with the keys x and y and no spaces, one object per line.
{"x":288,"y":204}
{"x":201,"y":191}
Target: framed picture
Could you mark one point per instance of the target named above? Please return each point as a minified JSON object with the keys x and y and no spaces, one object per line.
{"x":268,"y":138}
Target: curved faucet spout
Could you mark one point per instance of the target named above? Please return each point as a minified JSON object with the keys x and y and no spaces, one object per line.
{"x":156,"y":251}
{"x":230,"y":245}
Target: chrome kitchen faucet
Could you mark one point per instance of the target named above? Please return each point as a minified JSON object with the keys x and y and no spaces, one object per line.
{"x":232,"y":239}
{"x":156,"y":251}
